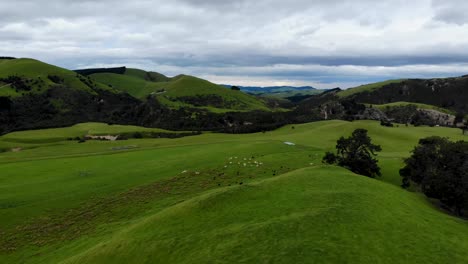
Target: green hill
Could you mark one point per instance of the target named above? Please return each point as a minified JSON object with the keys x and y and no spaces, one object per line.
{"x":366,"y":88}
{"x":218,"y":198}
{"x":134,"y":85}
{"x":201,"y":93}
{"x":181,"y":90}
{"x":419,"y":106}
{"x":321,"y":214}
{"x":34,"y":76}
{"x":447,"y":93}
{"x":148,"y":76}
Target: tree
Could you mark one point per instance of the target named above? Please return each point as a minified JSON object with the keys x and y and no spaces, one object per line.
{"x":458,"y":118}
{"x":464,"y":128}
{"x":440,"y":168}
{"x":357,"y":153}
{"x":235,"y":88}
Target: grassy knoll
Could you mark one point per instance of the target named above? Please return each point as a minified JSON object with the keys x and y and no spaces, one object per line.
{"x":148,"y":76}
{"x":36,"y":73}
{"x":366,"y":87}
{"x":133,"y":85}
{"x":220,"y":198}
{"x":418,"y":105}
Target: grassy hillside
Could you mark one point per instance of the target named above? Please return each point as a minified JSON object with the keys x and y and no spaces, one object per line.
{"x":189,"y":86}
{"x":219,"y":198}
{"x":366,"y":88}
{"x":182,"y":90}
{"x":447,"y":93}
{"x":148,"y":76}
{"x":35,"y":76}
{"x":418,"y":105}
{"x":323,"y":214}
{"x":135,"y":86}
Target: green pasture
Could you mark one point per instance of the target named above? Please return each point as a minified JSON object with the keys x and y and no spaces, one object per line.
{"x":217,"y":198}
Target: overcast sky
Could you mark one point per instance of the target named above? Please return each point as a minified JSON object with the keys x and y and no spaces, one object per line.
{"x":263,"y":42}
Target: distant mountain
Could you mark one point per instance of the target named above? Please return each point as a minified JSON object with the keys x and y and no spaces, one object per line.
{"x":292,"y":93}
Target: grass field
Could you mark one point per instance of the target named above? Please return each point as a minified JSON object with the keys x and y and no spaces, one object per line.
{"x":79,"y":130}
{"x":217,"y":198}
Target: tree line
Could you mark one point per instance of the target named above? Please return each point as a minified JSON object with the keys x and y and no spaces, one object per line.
{"x":437,"y":166}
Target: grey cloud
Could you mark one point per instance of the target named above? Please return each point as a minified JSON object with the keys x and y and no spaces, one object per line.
{"x":451,"y":11}
{"x":214,"y":38}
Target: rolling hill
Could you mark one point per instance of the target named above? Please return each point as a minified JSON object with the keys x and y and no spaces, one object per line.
{"x":29,"y":76}
{"x":34,"y":94}
{"x":218,"y":198}
{"x":448,"y":93}
{"x":180,"y":91}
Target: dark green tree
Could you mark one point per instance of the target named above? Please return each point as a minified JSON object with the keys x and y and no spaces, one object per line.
{"x":357,"y":153}
{"x":440,"y":168}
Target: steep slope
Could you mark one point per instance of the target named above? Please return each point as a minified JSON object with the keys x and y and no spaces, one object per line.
{"x":35,"y":94}
{"x":321,"y":214}
{"x":449,"y":93}
{"x":28,"y":76}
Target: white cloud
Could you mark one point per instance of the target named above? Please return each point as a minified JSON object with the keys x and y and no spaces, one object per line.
{"x":295,"y":41}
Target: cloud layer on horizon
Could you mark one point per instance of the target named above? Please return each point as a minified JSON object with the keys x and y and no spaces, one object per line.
{"x":298,"y":42}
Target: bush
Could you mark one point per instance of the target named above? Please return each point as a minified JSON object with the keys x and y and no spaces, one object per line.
{"x":329,"y":158}
{"x":137,"y":135}
{"x":386,"y":123}
{"x":440,"y":168}
{"x":356,"y":153}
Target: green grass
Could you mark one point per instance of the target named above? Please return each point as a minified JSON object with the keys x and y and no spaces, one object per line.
{"x":137,"y":83}
{"x":366,"y":87}
{"x":321,"y":214}
{"x":64,"y":202}
{"x":148,"y":76}
{"x":171,"y":90}
{"x":79,"y":130}
{"x":34,"y":70}
{"x":418,"y":105}
{"x":192,"y":86}
{"x":133,"y":85}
